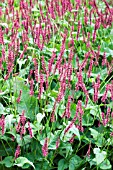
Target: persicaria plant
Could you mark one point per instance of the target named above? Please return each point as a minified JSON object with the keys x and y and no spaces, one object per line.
{"x":56,"y":84}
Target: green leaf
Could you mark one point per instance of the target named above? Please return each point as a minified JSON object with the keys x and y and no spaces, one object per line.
{"x":36,"y":149}
{"x":105,"y":164}
{"x":53,"y":139}
{"x":7,"y":150}
{"x":44,"y":165}
{"x":94,"y":110}
{"x":49,"y":108}
{"x":27,"y":103}
{"x":100,"y":140}
{"x":38,"y":166}
{"x":21,"y":161}
{"x":65,"y":149}
{"x":87,"y":119}
{"x":8,"y":161}
{"x":62,"y":164}
{"x":74,"y":162}
{"x":26,"y":139}
{"x":73,"y":108}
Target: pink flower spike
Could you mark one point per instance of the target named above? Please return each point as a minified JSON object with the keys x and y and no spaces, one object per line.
{"x":19,"y":97}
{"x":17,"y":153}
{"x":57,"y":143}
{"x":30,"y":130}
{"x":23,"y":118}
{"x":45,"y":148}
{"x":88,"y":152}
{"x":2,"y":124}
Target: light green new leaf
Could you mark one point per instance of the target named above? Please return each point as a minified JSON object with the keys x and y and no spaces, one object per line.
{"x":8,"y":121}
{"x":75,"y":131}
{"x":21,"y":161}
{"x":94,"y":133}
{"x":40,"y":116}
{"x":99,"y":155}
{"x":1,"y":109}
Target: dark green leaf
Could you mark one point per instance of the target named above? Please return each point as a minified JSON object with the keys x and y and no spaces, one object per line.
{"x":62,"y":164}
